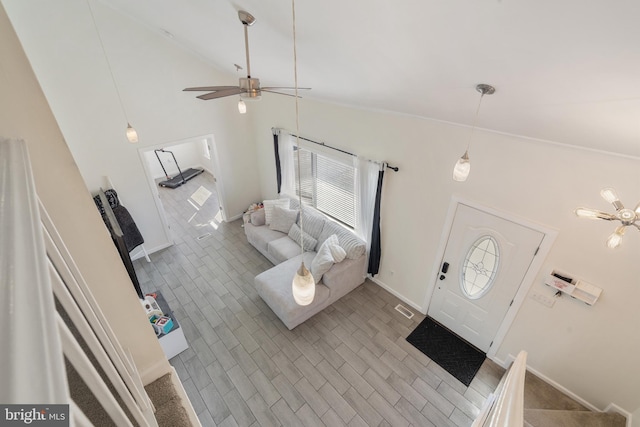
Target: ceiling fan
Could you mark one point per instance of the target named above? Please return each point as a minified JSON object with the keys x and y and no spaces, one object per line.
{"x":627,"y":217}
{"x":249,"y":87}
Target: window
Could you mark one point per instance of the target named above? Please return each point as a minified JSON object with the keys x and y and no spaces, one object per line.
{"x":480,"y":267}
{"x":327,"y":185}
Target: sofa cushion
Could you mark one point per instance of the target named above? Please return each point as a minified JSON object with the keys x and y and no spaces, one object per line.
{"x":260,"y":236}
{"x":258,"y":218}
{"x":282,"y":219}
{"x":312,"y":221}
{"x":283,"y":248}
{"x":352,"y":244}
{"x":274,"y":286}
{"x":269,"y":205}
{"x":309,"y":242}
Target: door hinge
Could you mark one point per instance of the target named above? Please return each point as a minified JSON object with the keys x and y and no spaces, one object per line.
{"x":511,"y":303}
{"x":536,"y":252}
{"x":491,"y":344}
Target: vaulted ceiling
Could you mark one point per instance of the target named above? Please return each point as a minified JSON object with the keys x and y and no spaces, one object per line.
{"x":566,"y":71}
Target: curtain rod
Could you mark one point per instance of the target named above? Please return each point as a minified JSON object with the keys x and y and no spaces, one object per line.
{"x":276,"y":131}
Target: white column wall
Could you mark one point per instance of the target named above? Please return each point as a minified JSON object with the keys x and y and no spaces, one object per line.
{"x":589,"y":350}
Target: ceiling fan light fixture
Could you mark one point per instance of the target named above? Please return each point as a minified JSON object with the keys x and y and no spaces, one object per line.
{"x":615,"y":239}
{"x":593,"y":214}
{"x":627,"y":217}
{"x":242,"y":107}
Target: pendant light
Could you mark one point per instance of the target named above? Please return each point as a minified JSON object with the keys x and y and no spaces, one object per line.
{"x":130,"y":132}
{"x":463,"y":166}
{"x":627,"y":217}
{"x":303,"y":286}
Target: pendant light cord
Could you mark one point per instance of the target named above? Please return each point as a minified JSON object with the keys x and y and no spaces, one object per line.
{"x":104,"y":52}
{"x":295,"y":84}
{"x":475,"y":120}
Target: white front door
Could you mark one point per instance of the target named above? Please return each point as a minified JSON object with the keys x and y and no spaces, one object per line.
{"x":485,"y":260}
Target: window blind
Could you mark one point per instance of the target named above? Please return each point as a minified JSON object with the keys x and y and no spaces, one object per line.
{"x":327,"y":185}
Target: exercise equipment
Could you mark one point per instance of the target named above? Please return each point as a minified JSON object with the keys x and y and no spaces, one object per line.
{"x":181,"y":178}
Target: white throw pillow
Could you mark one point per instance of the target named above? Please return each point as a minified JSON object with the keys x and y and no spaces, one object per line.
{"x":270,"y":204}
{"x":282,"y":219}
{"x":325,"y":257}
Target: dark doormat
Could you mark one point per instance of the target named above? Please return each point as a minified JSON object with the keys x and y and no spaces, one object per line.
{"x":455,"y":355}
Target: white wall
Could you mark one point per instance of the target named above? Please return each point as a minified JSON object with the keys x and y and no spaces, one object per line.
{"x":151,"y":71}
{"x":591,"y":351}
{"x":24,"y":113}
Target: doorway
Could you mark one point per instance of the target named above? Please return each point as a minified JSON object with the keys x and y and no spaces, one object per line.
{"x":197,"y":152}
{"x":487,"y":263}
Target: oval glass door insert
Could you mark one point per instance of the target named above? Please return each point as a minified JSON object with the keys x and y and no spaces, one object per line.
{"x":480,"y":267}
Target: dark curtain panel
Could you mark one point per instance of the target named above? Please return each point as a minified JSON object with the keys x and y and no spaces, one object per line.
{"x":375,"y":251}
{"x":276,"y":150}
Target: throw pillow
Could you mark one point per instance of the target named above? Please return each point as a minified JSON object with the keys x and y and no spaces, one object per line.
{"x":308,"y":242}
{"x":324,"y":258}
{"x":257,"y":217}
{"x":282,"y":219}
{"x":321,"y":263}
{"x":270,"y":204}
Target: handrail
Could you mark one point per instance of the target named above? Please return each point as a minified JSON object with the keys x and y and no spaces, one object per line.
{"x":31,"y":365}
{"x":505,"y":407}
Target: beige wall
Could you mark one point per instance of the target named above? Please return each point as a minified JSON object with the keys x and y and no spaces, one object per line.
{"x":591,"y":351}
{"x":25,"y":113}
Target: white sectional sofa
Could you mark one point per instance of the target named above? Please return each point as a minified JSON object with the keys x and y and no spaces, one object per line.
{"x":282,"y":248}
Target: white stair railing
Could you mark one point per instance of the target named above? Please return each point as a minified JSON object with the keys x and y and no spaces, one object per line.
{"x":505,"y":406}
{"x":35,"y":266}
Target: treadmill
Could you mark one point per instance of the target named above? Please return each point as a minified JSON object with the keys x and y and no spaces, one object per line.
{"x":181,"y":178}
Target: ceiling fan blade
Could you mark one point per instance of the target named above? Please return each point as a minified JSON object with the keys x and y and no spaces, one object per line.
{"x":220,"y":93}
{"x":287,"y":88}
{"x":209,"y":88}
{"x":594,"y":214}
{"x":279,"y":93}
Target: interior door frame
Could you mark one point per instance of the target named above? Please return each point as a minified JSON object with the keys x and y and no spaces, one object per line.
{"x":214,"y":164}
{"x":538,"y":260}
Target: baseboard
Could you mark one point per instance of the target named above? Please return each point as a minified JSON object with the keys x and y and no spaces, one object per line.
{"x":394,"y":293}
{"x":233,"y":218}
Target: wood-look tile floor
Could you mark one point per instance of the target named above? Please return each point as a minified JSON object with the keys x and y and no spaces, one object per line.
{"x":347,"y":366}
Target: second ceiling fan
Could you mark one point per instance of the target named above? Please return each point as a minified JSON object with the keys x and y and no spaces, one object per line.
{"x":248,"y":87}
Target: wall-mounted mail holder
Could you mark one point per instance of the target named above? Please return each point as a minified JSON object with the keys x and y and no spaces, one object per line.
{"x":576,"y":288}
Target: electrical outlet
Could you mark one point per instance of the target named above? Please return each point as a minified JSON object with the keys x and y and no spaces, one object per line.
{"x":547,"y":301}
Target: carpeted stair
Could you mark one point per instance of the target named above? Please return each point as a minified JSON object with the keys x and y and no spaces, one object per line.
{"x":545,"y":406}
{"x":168,"y":404}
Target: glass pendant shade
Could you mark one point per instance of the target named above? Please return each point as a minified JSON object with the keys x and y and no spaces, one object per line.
{"x":615,"y":238}
{"x":242,"y":107}
{"x":462,"y":168}
{"x":303,"y":286}
{"x":132,"y":135}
